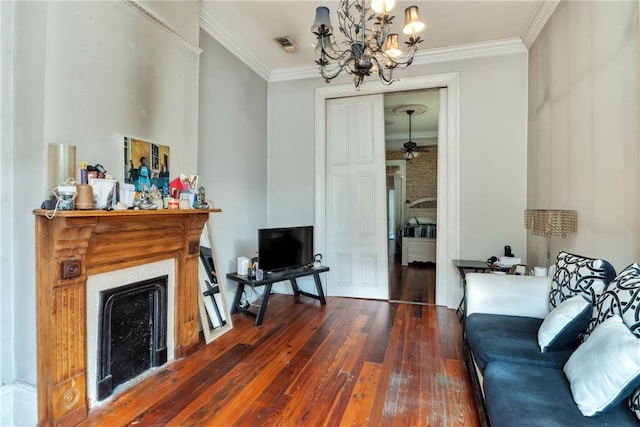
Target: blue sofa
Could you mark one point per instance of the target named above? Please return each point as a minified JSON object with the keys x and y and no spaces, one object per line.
{"x":518,"y":384}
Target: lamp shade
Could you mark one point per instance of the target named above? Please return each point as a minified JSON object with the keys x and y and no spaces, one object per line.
{"x":391,"y":47}
{"x":412,"y":23}
{"x":322,"y":18}
{"x":551,"y":223}
{"x":383,"y":6}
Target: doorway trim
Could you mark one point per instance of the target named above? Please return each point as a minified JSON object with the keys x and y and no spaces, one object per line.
{"x":402,"y":197}
{"x":448,"y":285}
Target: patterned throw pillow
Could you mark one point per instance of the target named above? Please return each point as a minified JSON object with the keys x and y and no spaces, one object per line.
{"x":622,"y":298}
{"x":578,"y":275}
{"x":634,"y":402}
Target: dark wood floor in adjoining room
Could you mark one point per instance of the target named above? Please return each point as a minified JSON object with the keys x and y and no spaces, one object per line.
{"x":351,"y":362}
{"x":415,"y":283}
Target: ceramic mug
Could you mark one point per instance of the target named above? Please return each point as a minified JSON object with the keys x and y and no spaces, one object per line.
{"x":539,"y":271}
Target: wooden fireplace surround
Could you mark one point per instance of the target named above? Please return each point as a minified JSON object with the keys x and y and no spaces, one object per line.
{"x":76,"y":244}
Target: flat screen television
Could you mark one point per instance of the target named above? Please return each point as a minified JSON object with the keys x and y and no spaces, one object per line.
{"x":284,"y":247}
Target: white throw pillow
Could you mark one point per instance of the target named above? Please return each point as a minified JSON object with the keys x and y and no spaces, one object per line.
{"x":564,"y":324}
{"x":424,"y":220}
{"x":605,"y":368}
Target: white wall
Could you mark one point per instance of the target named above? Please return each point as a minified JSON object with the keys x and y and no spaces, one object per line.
{"x":584,"y":128}
{"x":86,"y":73}
{"x":232,"y":154}
{"x":493,"y":93}
{"x":7,"y":365}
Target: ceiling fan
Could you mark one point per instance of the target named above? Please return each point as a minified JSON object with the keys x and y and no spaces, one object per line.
{"x":411,"y":148}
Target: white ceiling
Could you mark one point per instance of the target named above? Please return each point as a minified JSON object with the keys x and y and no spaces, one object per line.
{"x":424,"y":127}
{"x":254,"y":24}
{"x":249,"y":28}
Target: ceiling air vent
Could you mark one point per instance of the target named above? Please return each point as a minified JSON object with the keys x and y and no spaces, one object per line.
{"x":286,"y":43}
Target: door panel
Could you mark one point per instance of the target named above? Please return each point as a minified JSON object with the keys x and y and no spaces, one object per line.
{"x":356,"y":197}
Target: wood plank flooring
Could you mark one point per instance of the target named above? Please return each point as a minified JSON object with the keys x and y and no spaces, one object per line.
{"x":352,"y":362}
{"x":414,"y":283}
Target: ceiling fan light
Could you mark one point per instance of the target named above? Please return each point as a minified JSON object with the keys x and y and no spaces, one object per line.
{"x":410,"y":155}
{"x":412,"y":22}
{"x":391,"y":47}
{"x":322,"y":18}
{"x":383,"y":6}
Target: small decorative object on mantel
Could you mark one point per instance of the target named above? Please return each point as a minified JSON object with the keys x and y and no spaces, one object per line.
{"x":146,"y":203}
{"x":172,"y":203}
{"x":201,"y":202}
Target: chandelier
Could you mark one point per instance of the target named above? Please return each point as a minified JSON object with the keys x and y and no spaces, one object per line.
{"x":365,"y":50}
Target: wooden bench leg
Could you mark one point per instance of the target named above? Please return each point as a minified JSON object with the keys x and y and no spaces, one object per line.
{"x":265,"y":302}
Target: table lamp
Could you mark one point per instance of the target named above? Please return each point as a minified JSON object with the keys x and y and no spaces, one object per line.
{"x":552,"y":224}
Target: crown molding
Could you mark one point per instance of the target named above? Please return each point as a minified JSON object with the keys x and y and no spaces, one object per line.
{"x":224,"y":37}
{"x":471,"y":50}
{"x":162,"y":25}
{"x":538,"y":21}
{"x":294,"y":73}
{"x":453,"y":53}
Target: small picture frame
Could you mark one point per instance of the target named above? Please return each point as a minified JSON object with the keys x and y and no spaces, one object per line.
{"x":189,"y":180}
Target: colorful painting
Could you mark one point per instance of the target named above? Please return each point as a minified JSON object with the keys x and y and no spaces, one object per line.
{"x":145,"y":164}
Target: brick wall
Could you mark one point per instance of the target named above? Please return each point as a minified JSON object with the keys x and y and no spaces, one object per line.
{"x":422,"y":173}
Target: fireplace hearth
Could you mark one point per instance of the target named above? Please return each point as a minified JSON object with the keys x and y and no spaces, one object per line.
{"x":132,"y":332}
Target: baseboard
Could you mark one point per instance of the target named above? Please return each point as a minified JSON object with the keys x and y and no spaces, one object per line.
{"x":18,"y":405}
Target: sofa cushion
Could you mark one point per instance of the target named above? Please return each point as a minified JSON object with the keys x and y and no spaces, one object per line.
{"x":492,"y":337}
{"x":565,"y":324}
{"x":621,"y":298}
{"x":518,"y":395}
{"x":579,"y":275}
{"x":605,"y":369}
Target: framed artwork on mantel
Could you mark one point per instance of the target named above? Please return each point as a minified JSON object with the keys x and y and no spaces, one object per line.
{"x":145,"y":164}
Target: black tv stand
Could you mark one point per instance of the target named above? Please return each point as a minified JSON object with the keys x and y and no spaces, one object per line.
{"x":268,"y":280}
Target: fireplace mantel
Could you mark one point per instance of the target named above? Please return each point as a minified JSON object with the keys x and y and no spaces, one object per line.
{"x":76,"y":244}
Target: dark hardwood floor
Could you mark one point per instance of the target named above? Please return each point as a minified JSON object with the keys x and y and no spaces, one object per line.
{"x":351,"y":362}
{"x":414,"y":283}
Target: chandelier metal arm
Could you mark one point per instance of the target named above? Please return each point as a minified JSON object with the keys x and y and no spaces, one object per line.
{"x":328,"y":76}
{"x":383,"y":71}
{"x":363,"y":51}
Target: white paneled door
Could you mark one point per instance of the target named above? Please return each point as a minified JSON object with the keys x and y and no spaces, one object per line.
{"x":356,"y":195}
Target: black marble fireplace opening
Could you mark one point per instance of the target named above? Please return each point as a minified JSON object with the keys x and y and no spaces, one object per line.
{"x":132,"y":332}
